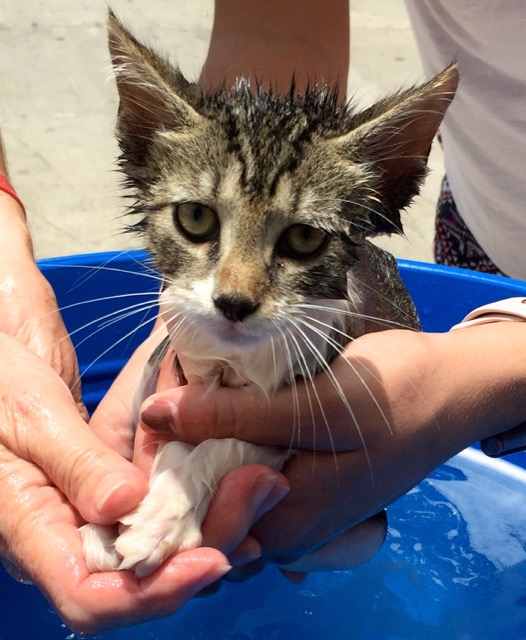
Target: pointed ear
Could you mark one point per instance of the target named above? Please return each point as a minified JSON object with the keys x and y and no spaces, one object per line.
{"x":153,"y":94}
{"x":392,"y":140}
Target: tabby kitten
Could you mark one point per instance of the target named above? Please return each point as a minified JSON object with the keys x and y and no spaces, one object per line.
{"x":256,"y":208}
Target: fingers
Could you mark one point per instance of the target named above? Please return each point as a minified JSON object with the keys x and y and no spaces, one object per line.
{"x":330,"y":494}
{"x":353,"y":548}
{"x":107,"y":600}
{"x":349,"y":550}
{"x":367,"y":391}
{"x":41,"y":424}
{"x":39,"y":534}
{"x":44,"y":444}
{"x":327,"y":497}
{"x":242,"y":497}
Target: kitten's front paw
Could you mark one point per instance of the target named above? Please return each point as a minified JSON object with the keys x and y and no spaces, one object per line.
{"x":98,"y":545}
{"x":166,"y":521}
{"x":144,"y":538}
{"x":162,"y":525}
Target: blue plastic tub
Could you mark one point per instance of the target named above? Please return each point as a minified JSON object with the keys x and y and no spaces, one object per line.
{"x":453,"y":565}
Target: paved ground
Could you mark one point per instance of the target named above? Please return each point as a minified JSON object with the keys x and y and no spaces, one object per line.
{"x":57,"y":107}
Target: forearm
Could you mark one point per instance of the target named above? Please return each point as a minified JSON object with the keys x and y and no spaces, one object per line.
{"x":271,"y":42}
{"x":442,"y":393}
{"x":16,"y":248}
{"x":29,"y":307}
{"x":435,"y":394}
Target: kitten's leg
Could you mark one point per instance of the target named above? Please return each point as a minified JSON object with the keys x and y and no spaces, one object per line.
{"x":99,"y":541}
{"x":169,"y":518}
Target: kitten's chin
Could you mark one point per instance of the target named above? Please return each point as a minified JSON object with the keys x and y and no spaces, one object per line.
{"x":227,"y":336}
{"x":230,"y":354}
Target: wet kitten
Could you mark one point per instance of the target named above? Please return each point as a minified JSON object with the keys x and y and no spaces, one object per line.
{"x":256,"y":208}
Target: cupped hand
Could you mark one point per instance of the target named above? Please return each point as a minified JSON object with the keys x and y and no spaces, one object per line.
{"x":56,"y":474}
{"x":393,"y":407}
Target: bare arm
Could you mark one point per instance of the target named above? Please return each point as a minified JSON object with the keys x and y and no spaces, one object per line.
{"x":273,"y":41}
{"x":29,"y":307}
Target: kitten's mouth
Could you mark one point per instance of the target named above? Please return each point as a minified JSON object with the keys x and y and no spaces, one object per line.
{"x":235,"y":332}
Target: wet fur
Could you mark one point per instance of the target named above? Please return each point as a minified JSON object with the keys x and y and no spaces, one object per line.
{"x":241,"y":306}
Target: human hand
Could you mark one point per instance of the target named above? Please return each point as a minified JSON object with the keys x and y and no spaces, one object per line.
{"x":56,"y":474}
{"x":412,"y":400}
{"x":30,"y":314}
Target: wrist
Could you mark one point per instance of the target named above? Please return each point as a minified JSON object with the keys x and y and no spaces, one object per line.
{"x":508,"y":310}
{"x":15,"y":240}
{"x":7,"y":188}
{"x":488,"y":373}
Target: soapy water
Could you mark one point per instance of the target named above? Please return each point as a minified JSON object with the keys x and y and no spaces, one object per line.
{"x":453,"y":567}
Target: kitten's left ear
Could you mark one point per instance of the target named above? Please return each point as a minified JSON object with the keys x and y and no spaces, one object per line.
{"x":153,"y":94}
{"x":392,"y":139}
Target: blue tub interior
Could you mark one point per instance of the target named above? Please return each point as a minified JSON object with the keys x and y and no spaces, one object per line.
{"x":453,"y":565}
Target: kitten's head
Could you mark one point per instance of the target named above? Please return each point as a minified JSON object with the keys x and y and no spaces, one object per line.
{"x":255,"y":205}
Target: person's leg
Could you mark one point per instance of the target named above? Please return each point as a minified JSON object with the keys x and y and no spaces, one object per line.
{"x":454,"y":244}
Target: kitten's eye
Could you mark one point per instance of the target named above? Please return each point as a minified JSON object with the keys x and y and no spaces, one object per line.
{"x":302,"y":241}
{"x":198,"y":222}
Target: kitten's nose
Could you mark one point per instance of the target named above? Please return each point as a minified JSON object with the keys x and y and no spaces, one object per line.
{"x":235,"y":308}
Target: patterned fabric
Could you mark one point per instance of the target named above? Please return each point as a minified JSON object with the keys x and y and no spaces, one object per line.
{"x":455,"y":245}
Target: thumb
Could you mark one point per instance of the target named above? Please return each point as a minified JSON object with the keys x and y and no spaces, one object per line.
{"x":42,"y":425}
{"x":194,"y":413}
{"x":312,"y":415}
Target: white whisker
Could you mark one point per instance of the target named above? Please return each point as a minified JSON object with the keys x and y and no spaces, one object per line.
{"x":113,"y":317}
{"x":91,"y":271}
{"x":354,"y":314}
{"x":126,"y":336}
{"x":324,"y":365}
{"x":340,"y":350}
{"x":296,"y":426}
{"x":309,"y":382}
{"x":139,"y":294}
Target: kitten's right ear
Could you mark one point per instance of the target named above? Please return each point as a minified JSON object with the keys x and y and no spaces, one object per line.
{"x":393,"y":139}
{"x":153,"y":94}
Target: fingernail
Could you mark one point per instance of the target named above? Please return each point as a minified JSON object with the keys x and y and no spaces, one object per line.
{"x":211,"y":582}
{"x":242,"y":573}
{"x":209,"y":590}
{"x":248,"y":552}
{"x":272,"y":490}
{"x":161,"y":417}
{"x":293,"y":576}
